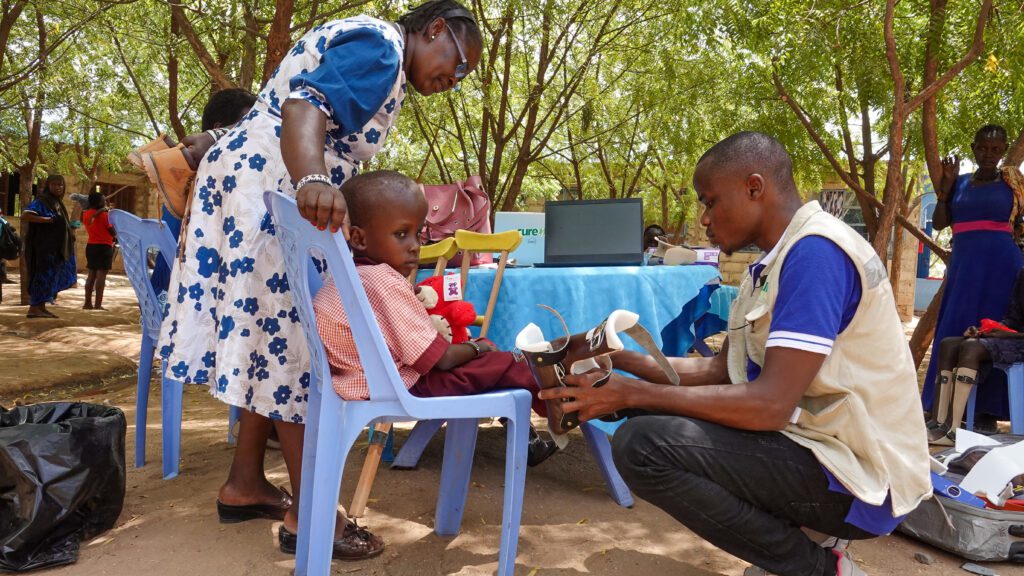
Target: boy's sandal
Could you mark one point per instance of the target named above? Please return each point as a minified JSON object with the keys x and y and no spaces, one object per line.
{"x":581,"y":353}
{"x":355,"y":543}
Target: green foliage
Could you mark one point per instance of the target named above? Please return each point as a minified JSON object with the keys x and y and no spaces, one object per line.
{"x":605,"y":97}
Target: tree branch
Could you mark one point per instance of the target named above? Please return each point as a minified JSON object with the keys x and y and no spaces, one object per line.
{"x":977,"y":46}
{"x":212,"y":68}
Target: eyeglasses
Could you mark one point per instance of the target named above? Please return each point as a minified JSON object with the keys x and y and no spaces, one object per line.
{"x":461,"y":69}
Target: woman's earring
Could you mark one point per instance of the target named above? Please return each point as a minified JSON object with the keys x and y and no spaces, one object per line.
{"x":434,"y":36}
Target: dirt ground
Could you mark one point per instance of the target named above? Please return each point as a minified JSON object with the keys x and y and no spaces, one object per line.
{"x":570,"y":526}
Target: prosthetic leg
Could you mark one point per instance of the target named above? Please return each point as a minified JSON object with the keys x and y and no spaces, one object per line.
{"x":580,"y":353}
{"x":965,"y":381}
{"x":940,"y":407}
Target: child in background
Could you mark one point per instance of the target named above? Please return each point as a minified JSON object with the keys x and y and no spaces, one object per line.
{"x":387,"y":211}
{"x":99,"y":252}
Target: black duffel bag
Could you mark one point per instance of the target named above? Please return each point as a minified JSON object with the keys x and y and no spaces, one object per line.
{"x":62,"y":480}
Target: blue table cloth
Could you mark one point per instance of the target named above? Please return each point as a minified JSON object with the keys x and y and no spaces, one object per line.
{"x":666,"y":298}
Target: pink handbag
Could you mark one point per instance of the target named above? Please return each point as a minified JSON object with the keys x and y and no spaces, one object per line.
{"x":457,"y":206}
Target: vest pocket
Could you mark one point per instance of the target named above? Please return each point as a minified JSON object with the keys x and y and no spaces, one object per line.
{"x":819,"y":410}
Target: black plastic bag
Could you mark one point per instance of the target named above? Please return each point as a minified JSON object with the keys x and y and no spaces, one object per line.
{"x":62,"y":480}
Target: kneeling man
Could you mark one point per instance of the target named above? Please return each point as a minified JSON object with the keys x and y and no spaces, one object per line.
{"x":808,"y":419}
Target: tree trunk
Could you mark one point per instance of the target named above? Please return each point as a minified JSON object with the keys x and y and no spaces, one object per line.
{"x":924,"y":333}
{"x":1015,"y":155}
{"x":26,"y":174}
{"x":929,"y":109}
{"x":172,"y":84}
{"x":220,"y":79}
{"x":279,"y":39}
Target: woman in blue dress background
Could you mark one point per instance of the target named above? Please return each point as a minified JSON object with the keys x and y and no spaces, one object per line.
{"x":983,"y":209}
{"x":231,"y":323}
{"x":49,"y":247}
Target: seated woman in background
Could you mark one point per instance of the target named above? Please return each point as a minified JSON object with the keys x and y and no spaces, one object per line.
{"x":960,"y":359}
{"x":983,"y":209}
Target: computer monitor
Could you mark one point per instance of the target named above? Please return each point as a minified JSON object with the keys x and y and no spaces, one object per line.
{"x":594,"y":232}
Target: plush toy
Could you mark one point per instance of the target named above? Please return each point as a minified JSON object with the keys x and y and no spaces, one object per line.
{"x":451,"y":318}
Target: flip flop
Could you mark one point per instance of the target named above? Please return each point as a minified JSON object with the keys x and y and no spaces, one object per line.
{"x":231,"y":514}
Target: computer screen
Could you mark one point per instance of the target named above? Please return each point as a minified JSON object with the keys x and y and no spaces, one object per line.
{"x":594,"y":231}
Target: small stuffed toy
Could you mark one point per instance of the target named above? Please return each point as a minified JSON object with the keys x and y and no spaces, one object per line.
{"x":451,"y":318}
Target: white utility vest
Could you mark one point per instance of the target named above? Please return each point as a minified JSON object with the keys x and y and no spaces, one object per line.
{"x":861,"y":415}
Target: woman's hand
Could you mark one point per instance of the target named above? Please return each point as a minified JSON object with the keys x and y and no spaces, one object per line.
{"x":971,"y":332}
{"x":950,"y":171}
{"x":323,"y":205}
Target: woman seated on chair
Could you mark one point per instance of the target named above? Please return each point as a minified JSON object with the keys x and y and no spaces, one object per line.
{"x":387,"y":210}
{"x":960,"y":359}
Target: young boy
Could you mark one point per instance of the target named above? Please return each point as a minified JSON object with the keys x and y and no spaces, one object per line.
{"x":387,"y":211}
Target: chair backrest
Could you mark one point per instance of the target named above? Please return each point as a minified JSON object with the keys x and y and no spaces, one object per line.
{"x":136,"y":236}
{"x":302,"y":244}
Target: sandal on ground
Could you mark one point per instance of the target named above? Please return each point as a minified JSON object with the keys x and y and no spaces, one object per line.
{"x":42,"y":314}
{"x":231,"y":514}
{"x":356,"y":543}
{"x":582,"y":353}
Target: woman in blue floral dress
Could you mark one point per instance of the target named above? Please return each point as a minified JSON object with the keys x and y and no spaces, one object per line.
{"x":231,"y":322}
{"x":49,"y":247}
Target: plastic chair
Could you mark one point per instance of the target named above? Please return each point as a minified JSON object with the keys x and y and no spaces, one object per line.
{"x":332,"y":424}
{"x":1015,"y":387}
{"x":597,"y":441}
{"x":136,"y":237}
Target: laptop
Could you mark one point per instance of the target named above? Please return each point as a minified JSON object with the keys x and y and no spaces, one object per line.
{"x":593,"y":233}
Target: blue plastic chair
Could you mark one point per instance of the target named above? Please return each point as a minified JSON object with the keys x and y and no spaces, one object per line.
{"x":597,"y":442}
{"x":136,"y":237}
{"x":1015,"y":386}
{"x":333,"y":425}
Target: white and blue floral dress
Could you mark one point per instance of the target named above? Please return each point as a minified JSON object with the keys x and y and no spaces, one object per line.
{"x":230,"y":321}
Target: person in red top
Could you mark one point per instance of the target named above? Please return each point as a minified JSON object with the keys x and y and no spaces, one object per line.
{"x":99,"y":252}
{"x":387,"y":211}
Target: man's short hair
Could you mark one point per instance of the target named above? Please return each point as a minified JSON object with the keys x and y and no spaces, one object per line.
{"x":226,"y":107}
{"x":368,"y":193}
{"x":752,"y":152}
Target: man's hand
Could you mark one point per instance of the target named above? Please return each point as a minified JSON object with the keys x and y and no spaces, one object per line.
{"x":972,"y":332}
{"x":589,"y":401}
{"x":323,"y":205}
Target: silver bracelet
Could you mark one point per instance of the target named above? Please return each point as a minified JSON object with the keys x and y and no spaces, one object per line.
{"x":475,"y":347}
{"x":216,"y":133}
{"x":322,"y":178}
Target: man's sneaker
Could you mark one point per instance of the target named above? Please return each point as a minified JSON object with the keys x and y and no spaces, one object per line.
{"x":846,"y":566}
{"x":836,"y":545}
